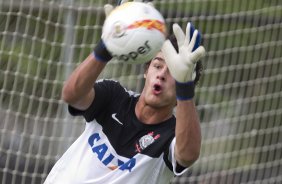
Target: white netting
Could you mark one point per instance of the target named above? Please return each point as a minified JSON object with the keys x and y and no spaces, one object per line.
{"x":239,"y":96}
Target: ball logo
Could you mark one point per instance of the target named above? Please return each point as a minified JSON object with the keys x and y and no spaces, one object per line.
{"x":142,"y":50}
{"x":149,"y":24}
{"x":118,"y":29}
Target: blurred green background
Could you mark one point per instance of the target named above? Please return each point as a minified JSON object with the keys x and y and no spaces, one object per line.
{"x":239,"y":96}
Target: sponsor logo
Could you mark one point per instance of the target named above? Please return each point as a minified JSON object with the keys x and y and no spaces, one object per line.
{"x":115,"y":118}
{"x":149,"y":24}
{"x":146,"y":141}
{"x":101,"y":150}
{"x":144,"y":49}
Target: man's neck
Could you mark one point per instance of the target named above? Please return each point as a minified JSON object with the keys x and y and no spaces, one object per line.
{"x":150,"y":115}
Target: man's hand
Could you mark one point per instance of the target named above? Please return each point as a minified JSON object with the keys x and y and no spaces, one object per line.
{"x":182,"y":64}
{"x":100,"y":51}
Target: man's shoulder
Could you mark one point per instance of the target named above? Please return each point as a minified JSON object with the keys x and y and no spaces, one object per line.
{"x":117,"y":87}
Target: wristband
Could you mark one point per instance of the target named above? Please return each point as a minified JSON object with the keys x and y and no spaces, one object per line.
{"x":185,"y":91}
{"x":101,"y":53}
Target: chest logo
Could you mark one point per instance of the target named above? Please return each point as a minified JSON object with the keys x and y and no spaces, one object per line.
{"x":116,"y":119}
{"x":107,"y":157}
{"x":146,"y":141}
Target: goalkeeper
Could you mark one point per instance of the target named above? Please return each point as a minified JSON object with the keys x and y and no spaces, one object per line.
{"x":132,"y":138}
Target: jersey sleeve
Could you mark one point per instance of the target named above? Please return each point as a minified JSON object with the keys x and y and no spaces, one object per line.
{"x":106,"y":92}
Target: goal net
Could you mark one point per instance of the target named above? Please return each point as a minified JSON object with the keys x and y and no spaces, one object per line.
{"x":239,"y":97}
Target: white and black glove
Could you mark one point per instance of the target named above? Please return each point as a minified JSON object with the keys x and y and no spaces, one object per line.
{"x":181,"y":64}
{"x":100,"y":51}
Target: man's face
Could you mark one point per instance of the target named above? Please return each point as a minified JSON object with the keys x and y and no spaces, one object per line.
{"x":159,"y":87}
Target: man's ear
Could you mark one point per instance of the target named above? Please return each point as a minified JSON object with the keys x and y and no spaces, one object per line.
{"x":145,"y":75}
{"x":146,"y":70}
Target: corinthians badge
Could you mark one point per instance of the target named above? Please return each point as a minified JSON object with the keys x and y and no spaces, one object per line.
{"x":145,"y":141}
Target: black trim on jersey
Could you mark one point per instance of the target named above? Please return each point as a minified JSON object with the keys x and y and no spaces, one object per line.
{"x":179,"y":168}
{"x":166,"y":160}
{"x":111,"y":99}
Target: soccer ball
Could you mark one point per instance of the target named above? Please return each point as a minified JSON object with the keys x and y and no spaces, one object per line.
{"x":134,"y":32}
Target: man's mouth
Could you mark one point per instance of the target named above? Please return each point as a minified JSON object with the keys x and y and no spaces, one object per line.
{"x":157,"y":89}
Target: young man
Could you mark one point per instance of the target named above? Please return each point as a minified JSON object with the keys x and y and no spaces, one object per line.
{"x":132,"y":138}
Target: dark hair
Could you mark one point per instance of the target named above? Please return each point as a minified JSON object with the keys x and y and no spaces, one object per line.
{"x":199,"y":65}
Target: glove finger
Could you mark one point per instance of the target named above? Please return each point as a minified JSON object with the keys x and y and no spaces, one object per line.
{"x":194,"y":75}
{"x":168,"y":52}
{"x":189,"y":33}
{"x":151,"y":4}
{"x":108,"y":9}
{"x":179,"y":35}
{"x":198,"y":41}
{"x":192,"y":41}
{"x":199,"y":53}
{"x":123,"y":1}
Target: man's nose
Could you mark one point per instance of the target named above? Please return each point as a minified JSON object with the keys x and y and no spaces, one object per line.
{"x":162,"y":74}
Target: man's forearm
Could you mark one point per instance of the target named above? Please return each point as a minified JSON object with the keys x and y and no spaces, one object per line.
{"x":78,"y":89}
{"x":188,"y":133}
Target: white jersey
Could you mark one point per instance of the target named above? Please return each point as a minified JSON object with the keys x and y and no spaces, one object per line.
{"x":115,"y":147}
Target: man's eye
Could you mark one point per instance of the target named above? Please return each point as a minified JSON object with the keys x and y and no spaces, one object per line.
{"x":157,"y":66}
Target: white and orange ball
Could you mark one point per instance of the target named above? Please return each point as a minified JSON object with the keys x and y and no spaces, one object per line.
{"x":134,"y":32}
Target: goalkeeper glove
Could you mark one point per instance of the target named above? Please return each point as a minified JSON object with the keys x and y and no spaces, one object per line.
{"x":181,"y":65}
{"x":100,"y":51}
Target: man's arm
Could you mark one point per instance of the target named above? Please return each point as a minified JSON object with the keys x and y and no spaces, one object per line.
{"x":188,"y":133}
{"x":181,"y":65}
{"x":78,"y":90}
